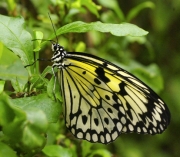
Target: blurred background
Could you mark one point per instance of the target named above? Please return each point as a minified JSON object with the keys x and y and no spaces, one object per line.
{"x":154,"y":58}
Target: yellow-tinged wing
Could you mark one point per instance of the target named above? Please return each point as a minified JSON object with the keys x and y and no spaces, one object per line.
{"x":102,"y":100}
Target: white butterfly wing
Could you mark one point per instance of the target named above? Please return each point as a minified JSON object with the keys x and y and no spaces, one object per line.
{"x":102,"y":100}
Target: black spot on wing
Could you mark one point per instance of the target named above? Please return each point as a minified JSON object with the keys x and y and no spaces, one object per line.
{"x":90,"y":112}
{"x":107,"y":97}
{"x":96,"y":121}
{"x":97,"y":81}
{"x":84,"y":119}
{"x":106,"y":120}
{"x":101,"y":74}
{"x":109,"y":110}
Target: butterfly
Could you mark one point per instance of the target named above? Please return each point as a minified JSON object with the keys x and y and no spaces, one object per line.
{"x":102,"y":100}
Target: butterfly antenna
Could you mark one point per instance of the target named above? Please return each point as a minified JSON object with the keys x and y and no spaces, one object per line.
{"x":52,"y":41}
{"x":53,"y":27}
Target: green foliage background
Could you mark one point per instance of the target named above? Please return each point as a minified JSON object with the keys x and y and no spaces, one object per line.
{"x":31,"y":122}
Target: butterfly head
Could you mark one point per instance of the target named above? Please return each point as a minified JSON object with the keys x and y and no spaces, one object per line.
{"x":59,"y":53}
{"x":56,"y":47}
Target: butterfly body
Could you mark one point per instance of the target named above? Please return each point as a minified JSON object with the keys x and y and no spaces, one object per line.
{"x":101,"y":100}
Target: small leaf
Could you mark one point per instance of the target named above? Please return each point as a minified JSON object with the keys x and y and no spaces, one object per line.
{"x":11,"y":69}
{"x":38,"y":37}
{"x":100,"y":152}
{"x":11,"y":118}
{"x":91,"y":6}
{"x":81,"y":47}
{"x":86,"y":148}
{"x":5,"y":150}
{"x":34,"y":128}
{"x":6,"y":112}
{"x":113,"y":5}
{"x":133,"y":13}
{"x":37,"y":118}
{"x":16,"y":74}
{"x":57,"y":151}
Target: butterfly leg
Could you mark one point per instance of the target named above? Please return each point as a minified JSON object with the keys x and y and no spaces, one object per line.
{"x":39,"y":59}
{"x":54,"y":87}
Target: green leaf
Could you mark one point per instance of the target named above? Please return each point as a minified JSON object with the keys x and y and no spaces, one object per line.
{"x":91,"y":6}
{"x":8,"y":112}
{"x":37,"y":118}
{"x":5,"y":150}
{"x":81,"y":47}
{"x":11,"y":5}
{"x":11,"y":118}
{"x":87,"y":151}
{"x":100,"y":152}
{"x":11,"y":68}
{"x":86,"y":148}
{"x":26,"y":127}
{"x":16,"y":73}
{"x":123,"y":29}
{"x":57,"y":151}
{"x":16,"y":38}
{"x":34,"y":128}
{"x":114,"y":6}
{"x":39,"y":81}
{"x":133,"y":13}
{"x":38,"y":36}
{"x":42,"y":101}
